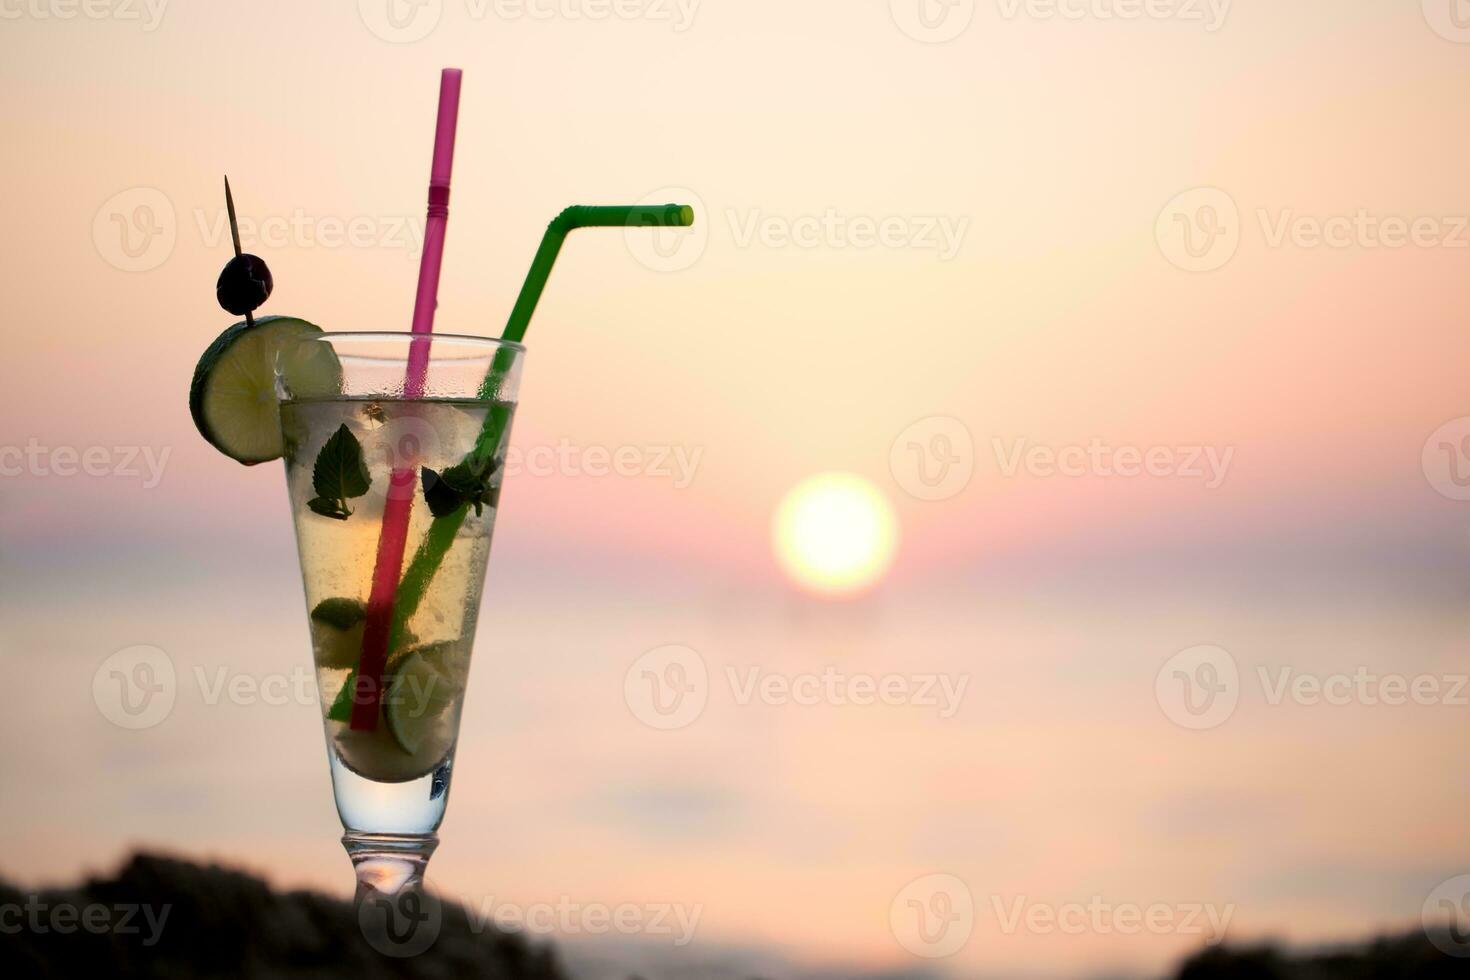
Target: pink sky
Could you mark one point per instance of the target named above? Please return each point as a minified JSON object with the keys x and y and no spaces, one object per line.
{"x":1058,"y":317}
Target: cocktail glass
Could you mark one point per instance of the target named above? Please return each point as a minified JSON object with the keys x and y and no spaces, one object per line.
{"x":440,"y":443}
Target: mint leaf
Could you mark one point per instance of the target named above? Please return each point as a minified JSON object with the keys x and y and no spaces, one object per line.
{"x":340,"y":613}
{"x":329,"y":508}
{"x":338,"y":475}
{"x":442,"y":498}
{"x":339,"y":471}
{"x":470,"y":474}
{"x":467,"y":482}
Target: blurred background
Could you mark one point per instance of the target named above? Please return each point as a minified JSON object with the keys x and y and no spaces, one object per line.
{"x":1135,"y":621}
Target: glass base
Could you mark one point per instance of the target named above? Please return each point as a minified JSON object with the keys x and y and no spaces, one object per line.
{"x":389,"y":864}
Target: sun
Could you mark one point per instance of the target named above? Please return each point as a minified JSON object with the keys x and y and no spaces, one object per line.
{"x":835,"y":535}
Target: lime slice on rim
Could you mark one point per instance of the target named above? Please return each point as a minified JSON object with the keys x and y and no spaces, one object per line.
{"x":233,"y":395}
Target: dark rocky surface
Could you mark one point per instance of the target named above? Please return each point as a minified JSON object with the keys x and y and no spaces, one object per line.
{"x":160,"y":917}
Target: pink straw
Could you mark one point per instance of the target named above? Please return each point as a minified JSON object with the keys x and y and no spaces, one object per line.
{"x":393,"y":539}
{"x":433,"y":257}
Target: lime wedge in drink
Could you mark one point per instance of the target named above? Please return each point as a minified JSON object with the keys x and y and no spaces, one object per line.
{"x":339,"y":648}
{"x":233,"y":396}
{"x":418,"y":732}
{"x":337,"y":626}
{"x":377,"y":756}
{"x":336,"y":649}
{"x":416,"y":702}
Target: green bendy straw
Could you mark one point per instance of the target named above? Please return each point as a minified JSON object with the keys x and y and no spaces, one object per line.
{"x":655,"y":216}
{"x":436,"y":543}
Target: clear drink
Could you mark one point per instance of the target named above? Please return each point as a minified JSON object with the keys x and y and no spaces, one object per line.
{"x":393,"y":778}
{"x":392,"y":636}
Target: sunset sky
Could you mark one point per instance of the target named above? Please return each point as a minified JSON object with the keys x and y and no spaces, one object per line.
{"x":1234,"y":247}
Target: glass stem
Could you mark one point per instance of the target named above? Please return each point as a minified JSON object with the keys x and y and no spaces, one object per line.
{"x":388,"y":864}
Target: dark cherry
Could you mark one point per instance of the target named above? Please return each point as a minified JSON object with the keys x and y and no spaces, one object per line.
{"x":244,"y":285}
